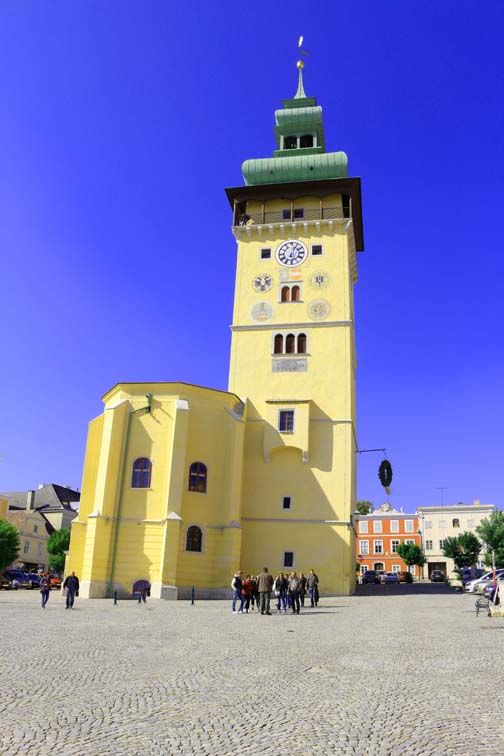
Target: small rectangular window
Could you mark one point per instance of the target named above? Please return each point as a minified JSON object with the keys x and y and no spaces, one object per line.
{"x":286,"y":502}
{"x":26,"y":547}
{"x":428,"y":545}
{"x":395,"y":544}
{"x":364,"y":548}
{"x":316,"y":249}
{"x":40,"y":547}
{"x":286,"y":215}
{"x":378,"y":547}
{"x":396,"y":568}
{"x":363,"y":526}
{"x":35,"y":528}
{"x":441,"y":544}
{"x":288,"y":559}
{"x":408,"y":526}
{"x":377,"y":526}
{"x":394,"y":526}
{"x":363,"y":569}
{"x":428,"y":524}
{"x":286,"y":421}
{"x":298,"y":213}
{"x":265,"y":254}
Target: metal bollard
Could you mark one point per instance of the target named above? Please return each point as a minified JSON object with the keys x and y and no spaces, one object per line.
{"x":115,"y":598}
{"x":192,"y":596}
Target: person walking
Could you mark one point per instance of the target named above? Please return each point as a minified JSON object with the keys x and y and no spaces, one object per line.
{"x":302,"y":591}
{"x":44,"y":588}
{"x":254,"y":596}
{"x":265,"y":586}
{"x":312,"y":583}
{"x":236,"y":585}
{"x":246,"y":593}
{"x":71,"y":586}
{"x":294,"y":587}
{"x":281,"y":587}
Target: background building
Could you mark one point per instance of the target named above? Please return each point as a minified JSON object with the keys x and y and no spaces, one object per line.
{"x":378,"y":536}
{"x":439,"y":522}
{"x":34,"y":531}
{"x":58,"y":503}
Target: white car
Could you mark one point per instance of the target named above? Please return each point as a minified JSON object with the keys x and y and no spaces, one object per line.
{"x":477,"y":585}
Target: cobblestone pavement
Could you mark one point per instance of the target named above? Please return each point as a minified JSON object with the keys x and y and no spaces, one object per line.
{"x":371,"y":674}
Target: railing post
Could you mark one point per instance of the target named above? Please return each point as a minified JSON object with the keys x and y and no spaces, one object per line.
{"x":192,"y":596}
{"x":115,"y":598}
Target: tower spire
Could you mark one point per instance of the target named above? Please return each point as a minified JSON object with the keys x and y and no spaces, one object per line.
{"x":300,"y":94}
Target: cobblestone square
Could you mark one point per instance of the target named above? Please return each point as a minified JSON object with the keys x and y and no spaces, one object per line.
{"x":392,"y":672}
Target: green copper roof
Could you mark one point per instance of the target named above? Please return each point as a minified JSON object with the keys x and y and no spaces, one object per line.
{"x":301,"y":152}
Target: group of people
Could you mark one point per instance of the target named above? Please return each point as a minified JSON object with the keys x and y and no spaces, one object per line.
{"x":70,"y":586}
{"x":254,"y":593}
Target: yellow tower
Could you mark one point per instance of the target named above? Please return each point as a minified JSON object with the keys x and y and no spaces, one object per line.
{"x":298,"y":225}
{"x":184,"y":484}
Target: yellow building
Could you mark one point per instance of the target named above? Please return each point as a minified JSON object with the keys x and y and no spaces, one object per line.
{"x":183,"y":484}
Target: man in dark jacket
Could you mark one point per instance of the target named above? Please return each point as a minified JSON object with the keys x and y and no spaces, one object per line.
{"x":312,"y":584}
{"x":71,"y":585}
{"x":265,"y":586}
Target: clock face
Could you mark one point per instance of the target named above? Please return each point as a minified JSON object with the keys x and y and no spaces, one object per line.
{"x":319,"y":280}
{"x":291,"y":252}
{"x":262,"y":283}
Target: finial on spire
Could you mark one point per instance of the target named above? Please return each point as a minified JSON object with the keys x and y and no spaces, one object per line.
{"x":300,"y":94}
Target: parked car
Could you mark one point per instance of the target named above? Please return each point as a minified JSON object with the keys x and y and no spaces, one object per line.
{"x":477,"y":585}
{"x":55,"y":582}
{"x":468,"y":573}
{"x":391,"y":577}
{"x":405,"y":576}
{"x":437,"y":576}
{"x":6,"y":584}
{"x":34,"y":579}
{"x":381,"y":575}
{"x":23,"y":581}
{"x":370,"y":577}
{"x":455,"y":581}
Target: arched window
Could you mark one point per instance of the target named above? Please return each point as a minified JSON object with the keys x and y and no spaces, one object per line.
{"x":296,"y":293}
{"x":278,"y":349}
{"x":286,"y":294}
{"x":306,"y":140}
{"x":301,"y":343}
{"x":456,"y":523}
{"x":290,"y":344}
{"x":194,"y":538}
{"x":141,"y":476}
{"x":290,"y":142}
{"x":198,"y":477}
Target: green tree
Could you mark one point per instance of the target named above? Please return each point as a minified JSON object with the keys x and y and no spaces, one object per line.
{"x":463,"y":549}
{"x":9,"y":544}
{"x":364,"y":507}
{"x":491,"y":532}
{"x":57,"y":544}
{"x":411,"y":554}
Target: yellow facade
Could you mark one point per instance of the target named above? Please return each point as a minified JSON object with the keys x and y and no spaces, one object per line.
{"x":279,"y":447}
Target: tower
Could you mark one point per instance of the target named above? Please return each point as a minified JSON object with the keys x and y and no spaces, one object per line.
{"x":297,"y":223}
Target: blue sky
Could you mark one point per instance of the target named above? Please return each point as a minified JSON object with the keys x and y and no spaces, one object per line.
{"x":120,"y":125}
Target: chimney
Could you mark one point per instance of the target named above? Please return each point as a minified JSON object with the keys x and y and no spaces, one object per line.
{"x":30,"y":500}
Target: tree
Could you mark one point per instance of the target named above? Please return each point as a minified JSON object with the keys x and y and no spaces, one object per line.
{"x":463,"y":549}
{"x":364,"y":507}
{"x":57,"y":544}
{"x":491,"y":532}
{"x":9,"y":544}
{"x":411,"y":554}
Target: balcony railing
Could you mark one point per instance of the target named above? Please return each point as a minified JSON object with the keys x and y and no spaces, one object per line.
{"x":294,"y":216}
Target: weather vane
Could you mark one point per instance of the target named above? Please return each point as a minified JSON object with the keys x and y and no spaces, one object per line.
{"x":300,"y":63}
